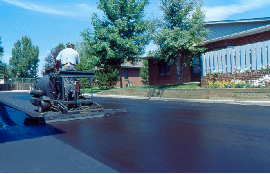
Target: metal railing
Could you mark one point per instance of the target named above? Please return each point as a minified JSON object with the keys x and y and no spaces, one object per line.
{"x":18,"y":84}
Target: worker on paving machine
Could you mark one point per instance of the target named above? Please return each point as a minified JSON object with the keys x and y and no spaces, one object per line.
{"x":68,"y":58}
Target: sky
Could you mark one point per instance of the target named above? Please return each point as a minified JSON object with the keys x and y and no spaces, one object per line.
{"x":51,"y":22}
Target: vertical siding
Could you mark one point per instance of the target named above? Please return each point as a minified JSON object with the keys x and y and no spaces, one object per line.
{"x":245,"y":57}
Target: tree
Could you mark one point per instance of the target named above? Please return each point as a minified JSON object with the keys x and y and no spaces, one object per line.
{"x":181,"y":31}
{"x":4,"y":73}
{"x":1,"y":48}
{"x":50,"y":60}
{"x":121,"y":35}
{"x":88,"y":60}
{"x":24,"y":60}
{"x":107,"y":77}
{"x":144,"y":71}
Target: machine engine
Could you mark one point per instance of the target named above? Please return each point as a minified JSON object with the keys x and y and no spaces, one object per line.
{"x":61,"y":92}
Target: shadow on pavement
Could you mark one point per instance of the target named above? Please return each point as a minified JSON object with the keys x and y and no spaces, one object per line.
{"x":16,"y":133}
{"x":13,"y":128}
{"x":5,"y":116}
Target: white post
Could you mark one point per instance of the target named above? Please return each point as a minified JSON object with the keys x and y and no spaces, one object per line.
{"x":264,"y":55}
{"x":248,"y":57}
{"x":228,"y":50}
{"x":237,"y":53}
{"x":259,"y":55}
{"x":211,"y":62}
{"x":224,"y":62}
{"x":268,"y":52}
{"x":203,"y":64}
{"x":253,"y":54}
{"x":243,"y":57}
{"x":207,"y":62}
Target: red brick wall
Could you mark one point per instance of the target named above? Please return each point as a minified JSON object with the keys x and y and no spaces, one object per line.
{"x":237,"y":76}
{"x":154,"y":78}
{"x":133,"y":77}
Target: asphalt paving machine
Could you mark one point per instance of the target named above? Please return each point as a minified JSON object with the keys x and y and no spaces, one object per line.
{"x":58,"y":97}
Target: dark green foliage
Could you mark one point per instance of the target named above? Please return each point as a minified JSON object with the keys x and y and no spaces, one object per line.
{"x":181,"y":31}
{"x":24,"y":60}
{"x":4,"y":71}
{"x":50,"y":60}
{"x":121,"y":35}
{"x":87,"y":62}
{"x":1,"y":48}
{"x":144,"y":72}
{"x":107,"y":77}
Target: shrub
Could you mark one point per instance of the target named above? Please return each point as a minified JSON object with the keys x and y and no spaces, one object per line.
{"x":107,"y":78}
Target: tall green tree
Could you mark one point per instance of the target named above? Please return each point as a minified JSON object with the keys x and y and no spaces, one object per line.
{"x":181,"y":31}
{"x":4,"y":73}
{"x":144,"y":73}
{"x":50,"y":59}
{"x":121,"y":35}
{"x":88,"y":60}
{"x":24,"y":60}
{"x":1,"y":48}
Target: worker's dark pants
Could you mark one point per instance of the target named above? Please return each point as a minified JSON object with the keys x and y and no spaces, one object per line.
{"x":68,"y":68}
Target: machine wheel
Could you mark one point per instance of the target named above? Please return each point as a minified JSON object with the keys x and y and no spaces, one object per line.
{"x":40,"y":110}
{"x":44,"y":106}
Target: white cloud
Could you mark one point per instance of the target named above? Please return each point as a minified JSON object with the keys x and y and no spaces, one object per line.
{"x":85,"y":6}
{"x":66,"y":9}
{"x":31,"y":6}
{"x":222,"y":12}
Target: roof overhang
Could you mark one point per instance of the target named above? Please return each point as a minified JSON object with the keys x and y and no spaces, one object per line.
{"x":240,"y":34}
{"x":264,"y":19}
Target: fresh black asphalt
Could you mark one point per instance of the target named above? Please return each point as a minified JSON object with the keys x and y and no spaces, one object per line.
{"x":154,"y":136}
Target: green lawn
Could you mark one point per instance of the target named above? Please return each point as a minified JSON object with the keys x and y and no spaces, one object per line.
{"x":88,"y":90}
{"x":170,"y":86}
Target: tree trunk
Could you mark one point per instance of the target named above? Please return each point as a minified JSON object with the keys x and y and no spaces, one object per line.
{"x":179,"y":69}
{"x":121,"y":83}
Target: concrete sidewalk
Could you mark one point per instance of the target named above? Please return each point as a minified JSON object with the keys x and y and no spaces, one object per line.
{"x":240,"y":102}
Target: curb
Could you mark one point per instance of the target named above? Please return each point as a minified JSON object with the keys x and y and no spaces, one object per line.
{"x":239,"y":102}
{"x":16,"y":91}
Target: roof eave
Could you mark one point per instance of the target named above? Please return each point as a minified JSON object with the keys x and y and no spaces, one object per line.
{"x":240,"y":34}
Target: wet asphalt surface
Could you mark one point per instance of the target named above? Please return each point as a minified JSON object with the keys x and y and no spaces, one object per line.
{"x":159,"y":136}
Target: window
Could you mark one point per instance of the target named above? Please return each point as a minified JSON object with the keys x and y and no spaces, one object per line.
{"x":164,"y":69}
{"x":126,"y":73}
{"x":196,"y":66}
